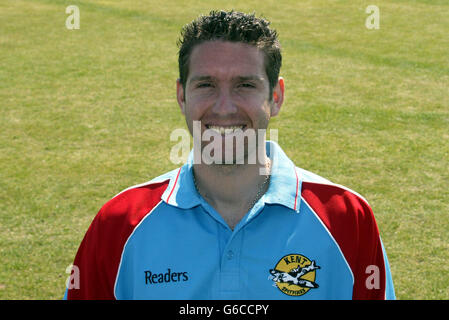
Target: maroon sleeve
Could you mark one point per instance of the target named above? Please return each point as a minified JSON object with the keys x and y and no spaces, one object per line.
{"x":100,"y":252}
{"x":350,"y":220}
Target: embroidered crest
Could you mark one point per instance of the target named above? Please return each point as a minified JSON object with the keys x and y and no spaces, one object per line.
{"x":294,"y":275}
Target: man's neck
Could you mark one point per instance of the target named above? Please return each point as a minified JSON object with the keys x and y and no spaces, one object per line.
{"x":232,"y":189}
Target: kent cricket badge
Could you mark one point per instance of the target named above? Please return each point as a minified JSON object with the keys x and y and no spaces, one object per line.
{"x":294,"y":275}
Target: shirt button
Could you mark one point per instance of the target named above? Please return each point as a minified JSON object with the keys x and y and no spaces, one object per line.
{"x":230,"y":255}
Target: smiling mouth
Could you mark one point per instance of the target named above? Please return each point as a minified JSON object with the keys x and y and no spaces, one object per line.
{"x":223,"y":130}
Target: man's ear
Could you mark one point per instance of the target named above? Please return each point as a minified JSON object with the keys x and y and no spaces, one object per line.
{"x":180,"y":96}
{"x":278,"y":97}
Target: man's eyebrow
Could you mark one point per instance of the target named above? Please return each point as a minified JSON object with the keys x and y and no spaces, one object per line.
{"x":200,"y":78}
{"x":250,"y":78}
{"x":239,"y":78}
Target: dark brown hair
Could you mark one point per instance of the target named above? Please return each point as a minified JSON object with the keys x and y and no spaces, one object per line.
{"x":231,"y":26}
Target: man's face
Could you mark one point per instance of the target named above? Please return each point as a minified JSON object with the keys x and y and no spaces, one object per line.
{"x":227,"y":88}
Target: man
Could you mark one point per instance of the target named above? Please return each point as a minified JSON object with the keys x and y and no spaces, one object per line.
{"x":237,"y":221}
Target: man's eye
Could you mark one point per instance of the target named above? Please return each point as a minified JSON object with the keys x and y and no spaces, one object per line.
{"x":246,"y":85}
{"x":204,"y":85}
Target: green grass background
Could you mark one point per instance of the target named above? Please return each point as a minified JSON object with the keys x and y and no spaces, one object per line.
{"x":86,"y":113}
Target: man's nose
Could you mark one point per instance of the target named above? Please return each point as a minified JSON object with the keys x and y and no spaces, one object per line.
{"x":224,"y":105}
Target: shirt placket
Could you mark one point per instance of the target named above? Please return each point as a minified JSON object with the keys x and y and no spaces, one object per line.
{"x":229,"y":276}
{"x":227,"y":284}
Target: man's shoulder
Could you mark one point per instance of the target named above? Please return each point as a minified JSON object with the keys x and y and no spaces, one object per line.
{"x":133,"y":203}
{"x":323,"y":188}
{"x":344,"y":212}
{"x":152,"y":184}
{"x":334,"y":203}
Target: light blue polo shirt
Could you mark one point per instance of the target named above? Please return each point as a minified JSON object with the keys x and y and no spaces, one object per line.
{"x":291,"y":245}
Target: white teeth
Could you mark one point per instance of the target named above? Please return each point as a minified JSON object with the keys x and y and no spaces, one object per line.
{"x":225,"y":130}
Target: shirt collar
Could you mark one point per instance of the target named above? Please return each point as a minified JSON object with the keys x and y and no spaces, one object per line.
{"x":284,"y":188}
{"x":181,"y":191}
